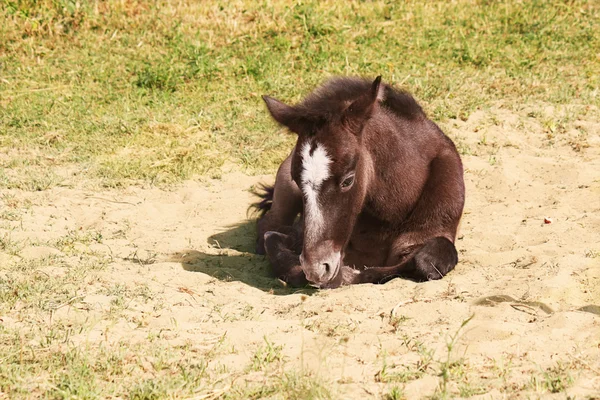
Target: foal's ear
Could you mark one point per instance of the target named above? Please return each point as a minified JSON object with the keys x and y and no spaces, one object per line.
{"x":286,"y":115}
{"x":377,"y":89}
{"x":362,"y":108}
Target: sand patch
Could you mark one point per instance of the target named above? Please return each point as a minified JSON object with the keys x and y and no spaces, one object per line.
{"x":178,"y":268}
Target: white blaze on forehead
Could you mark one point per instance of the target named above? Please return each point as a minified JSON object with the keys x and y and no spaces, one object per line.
{"x":315,"y":170}
{"x":315,"y":164}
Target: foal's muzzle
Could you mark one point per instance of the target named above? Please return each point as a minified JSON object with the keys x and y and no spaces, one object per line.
{"x":320,"y":265}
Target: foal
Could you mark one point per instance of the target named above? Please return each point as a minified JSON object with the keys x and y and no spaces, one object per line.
{"x":378,"y":185}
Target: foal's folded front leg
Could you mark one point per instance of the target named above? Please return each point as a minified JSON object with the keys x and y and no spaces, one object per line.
{"x":431,"y":261}
{"x":284,"y":261}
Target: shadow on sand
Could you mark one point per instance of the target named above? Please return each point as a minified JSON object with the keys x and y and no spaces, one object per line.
{"x":235,"y":260}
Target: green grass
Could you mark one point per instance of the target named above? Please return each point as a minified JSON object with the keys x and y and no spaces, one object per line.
{"x":266,"y":355}
{"x":57,"y":370}
{"x":156,"y":92}
{"x":395,"y":394}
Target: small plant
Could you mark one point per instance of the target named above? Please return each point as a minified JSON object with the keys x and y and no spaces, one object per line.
{"x":159,"y":75}
{"x":592,"y":253}
{"x":397,"y":373}
{"x":447,"y":366}
{"x":148,"y":390}
{"x":395,"y":394}
{"x":468,"y":390}
{"x":554,"y":380}
{"x":266,"y":355}
{"x":397,"y":320}
{"x":8,"y":245}
{"x":303,"y":386}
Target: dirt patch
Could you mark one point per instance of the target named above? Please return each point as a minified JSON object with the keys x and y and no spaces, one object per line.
{"x":179,"y":267}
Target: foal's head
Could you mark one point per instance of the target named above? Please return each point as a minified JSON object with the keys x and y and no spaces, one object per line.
{"x":329,"y":167}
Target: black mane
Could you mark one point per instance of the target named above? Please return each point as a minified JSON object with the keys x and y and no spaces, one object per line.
{"x":329,"y":100}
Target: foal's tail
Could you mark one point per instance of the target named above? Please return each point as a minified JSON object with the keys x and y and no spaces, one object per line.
{"x":265,"y":193}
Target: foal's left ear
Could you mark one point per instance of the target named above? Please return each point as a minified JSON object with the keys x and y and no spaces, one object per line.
{"x":288,"y":116}
{"x":362,"y":108}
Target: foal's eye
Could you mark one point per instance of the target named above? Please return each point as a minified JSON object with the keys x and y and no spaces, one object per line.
{"x":348,"y":182}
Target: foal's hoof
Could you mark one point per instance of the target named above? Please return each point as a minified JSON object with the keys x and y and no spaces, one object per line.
{"x":435,"y":259}
{"x":274,"y":242}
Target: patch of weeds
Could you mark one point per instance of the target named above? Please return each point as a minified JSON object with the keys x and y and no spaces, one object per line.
{"x":554,"y":126}
{"x":117,"y":289}
{"x":78,"y":384}
{"x":466,"y":389}
{"x":396,"y":393}
{"x":447,"y":367}
{"x":218,"y":346}
{"x":266,"y":355}
{"x":291,"y":385}
{"x":11,"y":215}
{"x":331,"y":328}
{"x":555,"y":379}
{"x":117,"y":304}
{"x":12,"y":202}
{"x":149,"y":389}
{"x":193,"y":373}
{"x":246,"y":314}
{"x":463,"y":148}
{"x":67,"y":242}
{"x":590,"y":253}
{"x":38,"y":290}
{"x":159,"y":75}
{"x":93,"y":261}
{"x":76,"y":379}
{"x":425,"y":354}
{"x":29,"y":179}
{"x":392,"y":373}
{"x":396,"y":321}
{"x":95,"y":370}
{"x":502,"y":370}
{"x":144,"y":292}
{"x":9,"y":246}
{"x":304,"y":386}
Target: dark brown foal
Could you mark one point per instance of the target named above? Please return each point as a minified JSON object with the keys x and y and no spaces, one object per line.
{"x":378,"y":187}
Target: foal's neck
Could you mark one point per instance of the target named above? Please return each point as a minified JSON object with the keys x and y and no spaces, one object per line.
{"x":395,"y":173}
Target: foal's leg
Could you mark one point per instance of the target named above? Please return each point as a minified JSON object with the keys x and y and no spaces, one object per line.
{"x":287,"y":203}
{"x":425,"y":248}
{"x":433,"y":260}
{"x":283,"y":254}
{"x":278,"y":237}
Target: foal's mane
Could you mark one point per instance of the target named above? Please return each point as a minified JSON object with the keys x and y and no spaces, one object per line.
{"x":331,"y":99}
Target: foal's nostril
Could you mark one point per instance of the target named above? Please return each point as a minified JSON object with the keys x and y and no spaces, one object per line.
{"x":327,"y":268}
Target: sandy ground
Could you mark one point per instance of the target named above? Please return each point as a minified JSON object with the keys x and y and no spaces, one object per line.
{"x":531,"y":287}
